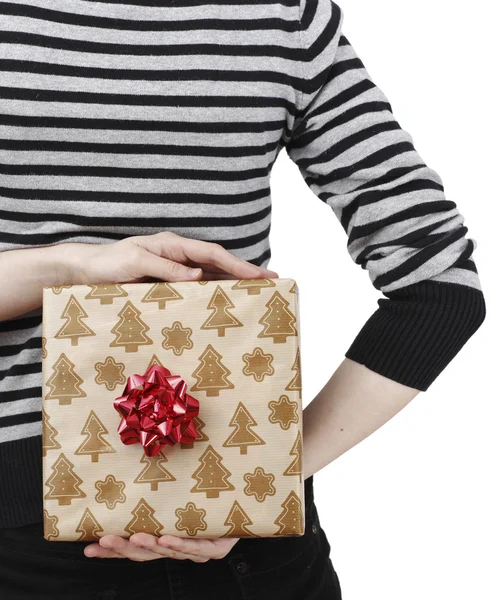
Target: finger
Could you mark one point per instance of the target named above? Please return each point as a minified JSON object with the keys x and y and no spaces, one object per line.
{"x":97,"y":551}
{"x":126,"y":549}
{"x":164,"y":269}
{"x":145,"y":540}
{"x":216,"y":255}
{"x":200,"y":547}
{"x":215,"y":269}
{"x":200,"y":251}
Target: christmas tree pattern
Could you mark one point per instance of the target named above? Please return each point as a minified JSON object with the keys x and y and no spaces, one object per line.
{"x":211,"y":375}
{"x":130,"y":331}
{"x":44,"y":347}
{"x":50,"y":531}
{"x":74,"y":328}
{"x":212,"y":475}
{"x":295,"y":467}
{"x":295,"y":385}
{"x":221,"y":318}
{"x":278,"y":320}
{"x":65,"y":382}
{"x":64,"y":483}
{"x":237,"y":520}
{"x":201,"y":435}
{"x":162,"y":292}
{"x":191,"y":519}
{"x":88,"y":527}
{"x":144,"y":520}
{"x":154,"y":361}
{"x":106,"y":292}
{"x":154,"y":473}
{"x":291,"y":521}
{"x":242,"y":435}
{"x":177,"y":338}
{"x":94,"y":444}
{"x":253,"y":286}
{"x":49,"y":434}
{"x":258,"y":364}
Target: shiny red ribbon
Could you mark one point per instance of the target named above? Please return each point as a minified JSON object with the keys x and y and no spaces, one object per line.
{"x":156,"y":410}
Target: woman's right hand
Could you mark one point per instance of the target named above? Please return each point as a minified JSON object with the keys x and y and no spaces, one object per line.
{"x":163,"y":256}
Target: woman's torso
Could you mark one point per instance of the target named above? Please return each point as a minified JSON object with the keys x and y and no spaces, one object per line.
{"x":129,"y":119}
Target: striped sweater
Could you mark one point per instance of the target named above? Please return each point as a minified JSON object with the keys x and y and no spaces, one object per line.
{"x":129,"y":118}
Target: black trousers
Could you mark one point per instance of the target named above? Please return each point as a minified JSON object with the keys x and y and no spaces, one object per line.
{"x":255,"y":569}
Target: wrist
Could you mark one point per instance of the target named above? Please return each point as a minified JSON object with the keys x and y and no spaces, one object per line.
{"x":58,"y":264}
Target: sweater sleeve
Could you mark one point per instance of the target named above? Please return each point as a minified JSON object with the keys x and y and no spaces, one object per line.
{"x":400,"y":227}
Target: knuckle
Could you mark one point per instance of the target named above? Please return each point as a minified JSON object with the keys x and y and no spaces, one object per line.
{"x":218,"y":247}
{"x":136,"y":253}
{"x":214,"y":249}
{"x":175,"y":267}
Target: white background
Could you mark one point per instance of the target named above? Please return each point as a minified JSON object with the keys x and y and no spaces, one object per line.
{"x":413,"y":511}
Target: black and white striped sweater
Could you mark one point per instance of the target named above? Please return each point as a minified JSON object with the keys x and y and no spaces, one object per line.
{"x":129,"y":118}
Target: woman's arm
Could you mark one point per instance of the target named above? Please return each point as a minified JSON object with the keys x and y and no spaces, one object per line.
{"x":401,"y":228}
{"x":353,"y":404}
{"x":23,"y":273}
{"x":164,"y":256}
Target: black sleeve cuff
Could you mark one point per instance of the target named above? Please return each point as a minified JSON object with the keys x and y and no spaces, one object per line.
{"x":417,"y":331}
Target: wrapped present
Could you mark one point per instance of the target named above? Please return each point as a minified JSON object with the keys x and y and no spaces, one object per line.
{"x":172,"y":408}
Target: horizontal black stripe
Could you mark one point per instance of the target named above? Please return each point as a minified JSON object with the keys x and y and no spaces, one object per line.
{"x":21,"y":419}
{"x":134,"y":173}
{"x":44,"y":239}
{"x":164,"y":75}
{"x":20,"y":324}
{"x":81,"y":20}
{"x":14,"y":349}
{"x":21,"y":369}
{"x":136,"y":221}
{"x":20,"y":394}
{"x":208,"y":128}
{"x":231,"y":101}
{"x":193,"y":3}
{"x":196,"y":49}
{"x":133,"y":197}
{"x":139,"y":149}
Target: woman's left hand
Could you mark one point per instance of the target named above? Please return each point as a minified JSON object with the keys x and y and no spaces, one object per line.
{"x":144,"y":546}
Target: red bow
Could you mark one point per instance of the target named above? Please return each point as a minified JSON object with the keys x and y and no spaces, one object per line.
{"x":156,"y":410}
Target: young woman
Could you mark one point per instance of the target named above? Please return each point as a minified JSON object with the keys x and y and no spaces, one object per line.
{"x":137,"y":140}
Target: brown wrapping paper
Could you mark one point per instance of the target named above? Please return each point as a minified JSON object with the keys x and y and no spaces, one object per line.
{"x":236,"y":344}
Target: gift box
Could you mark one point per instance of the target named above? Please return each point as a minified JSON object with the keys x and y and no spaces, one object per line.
{"x":172,"y":408}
